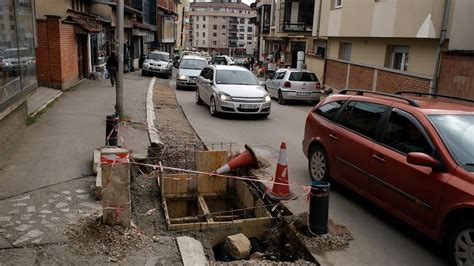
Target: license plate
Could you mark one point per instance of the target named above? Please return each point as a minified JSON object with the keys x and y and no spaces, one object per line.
{"x":303,"y":93}
{"x":248,"y":106}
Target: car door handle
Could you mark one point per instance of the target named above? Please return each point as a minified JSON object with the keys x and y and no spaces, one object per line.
{"x":378,"y":157}
{"x":334,"y":137}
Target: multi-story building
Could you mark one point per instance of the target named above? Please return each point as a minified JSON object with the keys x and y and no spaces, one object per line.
{"x":17,"y":65}
{"x":285,"y":26}
{"x":396,"y":45}
{"x":221,"y":28}
{"x":181,"y":23}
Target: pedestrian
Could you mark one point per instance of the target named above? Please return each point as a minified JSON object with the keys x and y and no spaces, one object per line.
{"x":111,"y":67}
{"x":252,"y":63}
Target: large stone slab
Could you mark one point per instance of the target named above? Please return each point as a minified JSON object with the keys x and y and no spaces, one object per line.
{"x":191,"y":251}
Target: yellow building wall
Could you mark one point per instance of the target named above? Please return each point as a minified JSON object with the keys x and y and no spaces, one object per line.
{"x":372,"y":51}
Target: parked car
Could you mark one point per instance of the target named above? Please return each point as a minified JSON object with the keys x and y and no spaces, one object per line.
{"x":410,"y":154}
{"x":242,"y":62}
{"x":233,"y":90}
{"x":294,"y":84}
{"x":222,"y":60}
{"x":157,"y":63}
{"x":188,"y":71}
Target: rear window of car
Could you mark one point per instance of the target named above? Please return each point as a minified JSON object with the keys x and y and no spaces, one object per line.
{"x":302,"y":76}
{"x":329,"y":110}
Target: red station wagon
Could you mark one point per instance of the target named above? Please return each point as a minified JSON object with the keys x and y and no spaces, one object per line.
{"x":410,"y":153}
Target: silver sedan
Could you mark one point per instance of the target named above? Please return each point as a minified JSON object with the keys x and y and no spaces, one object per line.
{"x":233,"y":90}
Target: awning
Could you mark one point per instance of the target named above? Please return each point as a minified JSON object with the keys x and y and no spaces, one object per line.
{"x":85,"y":23}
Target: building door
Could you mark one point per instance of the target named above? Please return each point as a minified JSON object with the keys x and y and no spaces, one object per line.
{"x":82,"y":55}
{"x":295,"y":48}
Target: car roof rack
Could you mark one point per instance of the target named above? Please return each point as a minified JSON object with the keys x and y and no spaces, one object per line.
{"x":362,"y":92}
{"x":434,"y":95}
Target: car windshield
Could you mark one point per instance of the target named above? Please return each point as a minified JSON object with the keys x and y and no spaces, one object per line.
{"x":159,"y":57}
{"x":192,"y":64}
{"x":457,"y":132}
{"x":302,"y":76}
{"x":237,"y":77}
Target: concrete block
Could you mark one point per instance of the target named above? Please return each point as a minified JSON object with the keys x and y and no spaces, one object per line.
{"x":191,"y":251}
{"x":96,"y":160}
{"x":238,"y":246}
{"x":98,"y":184}
{"x":116,"y":205}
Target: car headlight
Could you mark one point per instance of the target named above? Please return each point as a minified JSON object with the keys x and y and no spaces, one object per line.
{"x":145,"y":64}
{"x":224,"y":96}
{"x":182,"y":77}
{"x":267,"y":98}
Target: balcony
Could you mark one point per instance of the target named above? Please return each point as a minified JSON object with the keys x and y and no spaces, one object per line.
{"x":233,"y":38}
{"x":233,"y":29}
{"x":233,"y":21}
{"x":297,"y":15}
{"x":232,"y":45}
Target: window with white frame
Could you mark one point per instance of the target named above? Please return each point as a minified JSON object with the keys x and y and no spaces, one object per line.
{"x":399,"y":57}
{"x":337,"y":3}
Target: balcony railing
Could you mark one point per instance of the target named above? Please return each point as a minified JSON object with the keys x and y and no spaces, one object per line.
{"x":296,"y":27}
{"x":233,"y":38}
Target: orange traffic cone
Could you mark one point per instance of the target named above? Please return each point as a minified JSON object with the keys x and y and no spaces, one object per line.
{"x":281,"y":189}
{"x":246,"y":158}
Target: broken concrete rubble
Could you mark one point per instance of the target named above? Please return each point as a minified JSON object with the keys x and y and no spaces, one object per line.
{"x":238,"y":246}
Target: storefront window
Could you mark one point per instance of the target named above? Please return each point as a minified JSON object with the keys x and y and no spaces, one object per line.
{"x":17,"y":48}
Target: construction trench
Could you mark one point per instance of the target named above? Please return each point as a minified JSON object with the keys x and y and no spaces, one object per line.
{"x":220,"y":206}
{"x":174,"y":191}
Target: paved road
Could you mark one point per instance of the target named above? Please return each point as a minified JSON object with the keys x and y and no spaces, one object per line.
{"x":378,"y":238}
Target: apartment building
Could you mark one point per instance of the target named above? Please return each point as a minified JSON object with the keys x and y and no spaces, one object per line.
{"x":221,"y":28}
{"x":393,"y":45}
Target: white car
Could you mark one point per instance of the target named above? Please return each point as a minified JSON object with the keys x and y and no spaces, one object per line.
{"x":232,"y":90}
{"x":294,"y":84}
{"x":188,"y":71}
{"x":157,"y":62}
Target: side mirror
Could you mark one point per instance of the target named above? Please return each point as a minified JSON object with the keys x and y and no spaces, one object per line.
{"x":262,"y":83}
{"x":422,"y":159}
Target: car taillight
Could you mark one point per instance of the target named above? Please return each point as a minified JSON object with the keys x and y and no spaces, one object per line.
{"x":318,"y":85}
{"x":287,"y":84}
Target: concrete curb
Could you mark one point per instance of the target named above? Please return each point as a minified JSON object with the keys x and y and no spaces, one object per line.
{"x":46,"y":104}
{"x":150,"y":116}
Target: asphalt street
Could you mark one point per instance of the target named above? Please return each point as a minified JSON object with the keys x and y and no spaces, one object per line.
{"x":379,"y":239}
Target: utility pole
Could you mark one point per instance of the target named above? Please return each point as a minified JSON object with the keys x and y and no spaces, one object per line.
{"x":119,"y":83}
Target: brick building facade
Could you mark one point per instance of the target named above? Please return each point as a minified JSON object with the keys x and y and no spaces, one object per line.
{"x":456,"y":75}
{"x":342,"y":75}
{"x":56,"y":54}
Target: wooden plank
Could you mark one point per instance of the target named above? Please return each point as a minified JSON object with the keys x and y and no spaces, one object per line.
{"x":204,"y":209}
{"x":167,"y":217}
{"x":209,"y":161}
{"x":175,"y":184}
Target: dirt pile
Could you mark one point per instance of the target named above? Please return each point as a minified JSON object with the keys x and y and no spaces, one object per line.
{"x":90,"y":236}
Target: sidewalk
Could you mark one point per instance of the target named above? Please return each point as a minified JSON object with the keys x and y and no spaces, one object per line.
{"x":46,"y":173}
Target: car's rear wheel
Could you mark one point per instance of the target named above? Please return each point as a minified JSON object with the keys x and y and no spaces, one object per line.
{"x":460,"y":241}
{"x":198,"y":98}
{"x":212,"y":107}
{"x":318,"y":164}
{"x":281,"y":100}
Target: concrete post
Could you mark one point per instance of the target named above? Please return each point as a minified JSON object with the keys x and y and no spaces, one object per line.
{"x":116,"y":202}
